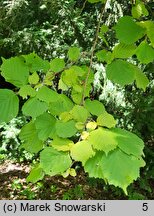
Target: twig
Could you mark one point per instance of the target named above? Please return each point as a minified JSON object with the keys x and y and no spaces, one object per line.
{"x":83,"y":6}
{"x":92,"y":53}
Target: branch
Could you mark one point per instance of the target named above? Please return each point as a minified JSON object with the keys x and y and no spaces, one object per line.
{"x":92,"y":53}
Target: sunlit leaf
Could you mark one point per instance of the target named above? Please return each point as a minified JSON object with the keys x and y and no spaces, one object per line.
{"x":106,"y":120}
{"x":82,"y":151}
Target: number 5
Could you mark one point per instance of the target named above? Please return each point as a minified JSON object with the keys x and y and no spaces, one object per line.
{"x":145,"y":207}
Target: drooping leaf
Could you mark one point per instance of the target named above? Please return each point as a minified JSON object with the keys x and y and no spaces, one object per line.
{"x":106,"y":120}
{"x":128,"y":142}
{"x":95,"y":107}
{"x":54,"y":162}
{"x":121,"y":169}
{"x":128,"y":31}
{"x":9,"y":105}
{"x":34,"y":107}
{"x":15,"y":71}
{"x":145,"y":53}
{"x":82,"y":151}
{"x":29,"y":136}
{"x":34,"y":78}
{"x":79,"y":113}
{"x":94,"y":166}
{"x":66,"y":129}
{"x":57,"y":65}
{"x":27,"y":90}
{"x":103,"y":139}
{"x":35,"y":175}
{"x":121,"y":72}
{"x":73,"y":53}
{"x":141,"y":80}
{"x":47,"y":95}
{"x":35,"y":63}
{"x":61,"y":144}
{"x":45,"y":125}
{"x":124,"y":50}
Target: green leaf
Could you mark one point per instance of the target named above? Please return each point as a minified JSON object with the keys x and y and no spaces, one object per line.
{"x":47,"y":95}
{"x":121,"y":72}
{"x":94,"y":166}
{"x":103,"y":139}
{"x":138,"y":10}
{"x":45,"y":125}
{"x":76,"y":97}
{"x":124,"y":50}
{"x":121,"y":169}
{"x":15,"y":71}
{"x":95,"y":107}
{"x":128,"y":142}
{"x":54,"y":162}
{"x":128,"y":31}
{"x":35,"y":175}
{"x":73,"y":53}
{"x":61,"y":144}
{"x":104,"y":29}
{"x":66,"y":129}
{"x":27,"y":90}
{"x":9,"y":105}
{"x":141,"y":80}
{"x":34,"y":78}
{"x":80,"y":126}
{"x":62,"y":104}
{"x":145,"y":53}
{"x":65,"y":116}
{"x":104,"y":56}
{"x":35,"y":63}
{"x":29,"y":135}
{"x":82,"y":151}
{"x":72,"y":76}
{"x":149,"y":26}
{"x":79,"y":113}
{"x":34,"y":107}
{"x":106,"y":120}
{"x":57,"y":65}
